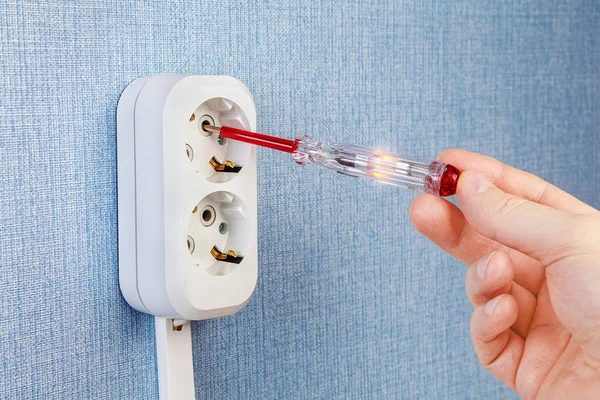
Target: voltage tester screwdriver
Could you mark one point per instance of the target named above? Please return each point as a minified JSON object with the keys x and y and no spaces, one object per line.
{"x":432,"y":177}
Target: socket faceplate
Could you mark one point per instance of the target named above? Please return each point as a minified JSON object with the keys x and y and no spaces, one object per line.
{"x":165,"y":178}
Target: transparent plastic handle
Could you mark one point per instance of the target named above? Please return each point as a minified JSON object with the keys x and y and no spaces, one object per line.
{"x":394,"y":169}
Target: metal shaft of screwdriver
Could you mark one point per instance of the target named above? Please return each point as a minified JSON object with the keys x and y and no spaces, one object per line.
{"x":258,"y":139}
{"x":211,"y":128}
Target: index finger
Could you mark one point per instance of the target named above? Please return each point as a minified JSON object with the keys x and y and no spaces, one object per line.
{"x":517,"y":182}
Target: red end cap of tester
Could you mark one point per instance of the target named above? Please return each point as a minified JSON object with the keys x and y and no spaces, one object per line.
{"x":449,"y":181}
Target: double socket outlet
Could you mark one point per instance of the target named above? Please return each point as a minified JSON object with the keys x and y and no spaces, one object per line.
{"x":187,"y":199}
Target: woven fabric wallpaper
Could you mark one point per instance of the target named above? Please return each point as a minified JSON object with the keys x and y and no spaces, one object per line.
{"x":351,"y":302}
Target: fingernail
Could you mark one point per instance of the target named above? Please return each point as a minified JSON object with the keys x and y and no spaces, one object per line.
{"x":489,"y":307}
{"x":482,"y":266}
{"x":478,"y":182}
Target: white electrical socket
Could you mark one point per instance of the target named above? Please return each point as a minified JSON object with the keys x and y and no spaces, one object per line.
{"x":174,"y":206}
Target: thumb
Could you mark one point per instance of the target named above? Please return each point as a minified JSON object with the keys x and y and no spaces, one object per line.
{"x":534,"y":229}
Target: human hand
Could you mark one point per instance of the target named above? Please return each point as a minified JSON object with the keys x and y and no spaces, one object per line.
{"x":534,"y":275}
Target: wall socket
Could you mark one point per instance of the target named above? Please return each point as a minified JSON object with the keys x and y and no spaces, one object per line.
{"x":187,"y":226}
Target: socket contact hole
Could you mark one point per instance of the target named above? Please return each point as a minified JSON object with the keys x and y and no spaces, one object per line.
{"x":207,"y":216}
{"x":204,"y":121}
{"x":191,"y":245}
{"x":189,"y":152}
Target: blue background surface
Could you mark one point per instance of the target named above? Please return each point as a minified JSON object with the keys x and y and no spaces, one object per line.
{"x":351,"y":302}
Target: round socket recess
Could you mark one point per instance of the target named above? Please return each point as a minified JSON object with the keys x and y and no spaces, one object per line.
{"x":219,"y":112}
{"x":220,"y":209}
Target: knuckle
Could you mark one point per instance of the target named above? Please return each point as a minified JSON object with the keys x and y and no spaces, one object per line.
{"x":542,"y":190}
{"x":508,"y":207}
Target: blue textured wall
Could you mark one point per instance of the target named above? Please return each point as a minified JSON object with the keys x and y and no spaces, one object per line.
{"x":351,"y":301}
